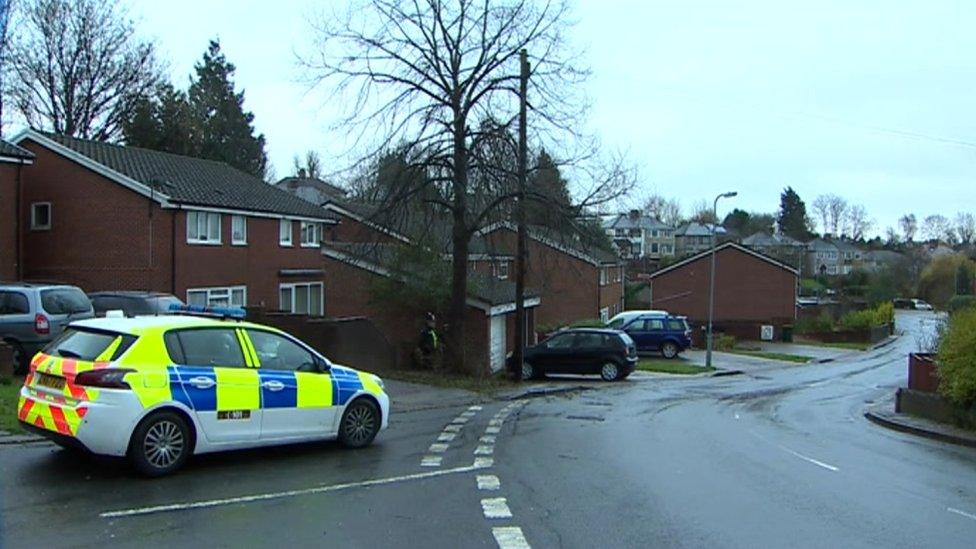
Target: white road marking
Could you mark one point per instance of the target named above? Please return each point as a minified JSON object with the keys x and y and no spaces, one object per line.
{"x":474,"y":408}
{"x":488,"y":482}
{"x":493,"y":430}
{"x":285,"y":494}
{"x":469,"y":413}
{"x":484,"y":450}
{"x":438,"y":448}
{"x":484,"y":462}
{"x":431,"y":461}
{"x":496,"y":508}
{"x":963,"y":513}
{"x":487,"y":439}
{"x":446,"y":437}
{"x":494,"y":423}
{"x":809,"y":459}
{"x":510,"y":537}
{"x":453,"y":428}
{"x":460,"y":420}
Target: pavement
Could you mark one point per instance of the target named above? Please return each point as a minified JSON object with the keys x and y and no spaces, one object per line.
{"x":780,"y":455}
{"x":883,"y":413}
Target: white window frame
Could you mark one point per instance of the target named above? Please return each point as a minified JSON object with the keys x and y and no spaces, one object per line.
{"x":220,"y":292}
{"x":33,"y":218}
{"x":603,"y":276}
{"x":233,"y":239}
{"x":292,"y":286}
{"x":605,"y":314}
{"x":315,"y":229}
{"x":501,"y":269}
{"x":286,"y":242}
{"x":195,"y":216}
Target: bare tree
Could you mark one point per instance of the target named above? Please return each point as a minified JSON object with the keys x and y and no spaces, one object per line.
{"x":701,"y":212}
{"x":79,"y":68}
{"x":857,"y":224}
{"x":831,"y":209}
{"x":891,"y":237}
{"x":666,"y":210}
{"x":311,"y":165}
{"x":938,"y":227}
{"x":965,"y":227}
{"x":426,"y":76}
{"x":6,"y":13}
{"x":909,"y":226}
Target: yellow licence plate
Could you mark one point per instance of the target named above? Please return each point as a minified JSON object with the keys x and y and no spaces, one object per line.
{"x":53,"y":382}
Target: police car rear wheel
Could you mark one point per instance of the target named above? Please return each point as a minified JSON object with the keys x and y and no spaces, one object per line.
{"x":160,"y":444}
{"x":360,"y":423}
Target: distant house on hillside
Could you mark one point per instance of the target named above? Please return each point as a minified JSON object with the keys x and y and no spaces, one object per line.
{"x":875,"y":260}
{"x":311,"y":189}
{"x":779,"y":246}
{"x":640,"y":236}
{"x":692,"y":238}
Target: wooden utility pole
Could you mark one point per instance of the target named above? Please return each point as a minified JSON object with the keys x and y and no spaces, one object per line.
{"x":520,"y":253}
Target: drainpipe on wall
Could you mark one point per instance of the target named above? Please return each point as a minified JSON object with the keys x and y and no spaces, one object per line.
{"x":172,"y":252}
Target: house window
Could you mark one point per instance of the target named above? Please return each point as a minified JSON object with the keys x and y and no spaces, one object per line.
{"x":604,"y":314}
{"x":620,"y":232}
{"x":238,"y":230}
{"x":603,"y":277}
{"x":232,"y":296}
{"x":311,"y":234}
{"x":284,"y":232}
{"x":202,"y":228}
{"x":654,"y":247}
{"x":305,"y":298}
{"x":501,"y":270}
{"x":40,"y":216}
{"x":654,"y":233}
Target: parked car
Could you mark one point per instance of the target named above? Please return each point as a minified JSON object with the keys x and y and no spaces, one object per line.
{"x":658,"y":332}
{"x":916,"y":304}
{"x":133,"y":303}
{"x":920,"y":305}
{"x":621,"y":319}
{"x":158,"y":389}
{"x":31,"y":315}
{"x":609,"y":353}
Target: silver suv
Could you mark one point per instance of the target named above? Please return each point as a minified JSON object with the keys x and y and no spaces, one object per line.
{"x":31,"y":315}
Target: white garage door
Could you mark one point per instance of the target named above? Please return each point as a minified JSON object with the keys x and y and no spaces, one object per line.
{"x":496,"y":338}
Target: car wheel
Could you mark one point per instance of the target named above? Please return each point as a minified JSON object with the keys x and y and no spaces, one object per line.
{"x":161,"y":444}
{"x":360,"y":423}
{"x":610,"y":371}
{"x":528,"y":371}
{"x":669,"y":350}
{"x":20,"y":359}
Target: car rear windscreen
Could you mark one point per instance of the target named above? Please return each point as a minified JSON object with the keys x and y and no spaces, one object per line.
{"x":677,"y":325}
{"x":86,"y":345}
{"x":65,"y":301}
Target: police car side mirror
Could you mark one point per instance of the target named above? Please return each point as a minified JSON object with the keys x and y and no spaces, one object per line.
{"x":323,"y":366}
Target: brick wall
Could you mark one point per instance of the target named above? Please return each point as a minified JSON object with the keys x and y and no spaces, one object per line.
{"x":8,"y":221}
{"x":746,"y":289}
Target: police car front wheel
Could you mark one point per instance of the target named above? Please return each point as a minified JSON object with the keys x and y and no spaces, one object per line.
{"x":360,"y":423}
{"x":160,"y":444}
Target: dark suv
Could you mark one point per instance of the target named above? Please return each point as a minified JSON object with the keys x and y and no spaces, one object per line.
{"x":31,"y":315}
{"x":609,"y":353}
{"x":656,"y":332}
{"x":133,"y":303}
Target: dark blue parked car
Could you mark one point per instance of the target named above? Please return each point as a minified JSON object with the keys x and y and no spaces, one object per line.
{"x":654,"y":331}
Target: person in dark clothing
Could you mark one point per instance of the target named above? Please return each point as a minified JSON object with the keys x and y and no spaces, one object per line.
{"x":428,"y":348}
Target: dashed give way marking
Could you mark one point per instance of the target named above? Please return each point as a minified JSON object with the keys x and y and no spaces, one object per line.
{"x":488,"y":482}
{"x":496,"y":508}
{"x":187,"y":506}
{"x":510,"y":537}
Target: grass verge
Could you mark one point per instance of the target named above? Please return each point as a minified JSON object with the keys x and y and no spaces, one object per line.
{"x":673,"y":366}
{"x":844,"y":345}
{"x":9,"y":396}
{"x":800,"y":359}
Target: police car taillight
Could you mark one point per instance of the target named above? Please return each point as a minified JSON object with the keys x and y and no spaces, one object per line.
{"x":108,"y":378}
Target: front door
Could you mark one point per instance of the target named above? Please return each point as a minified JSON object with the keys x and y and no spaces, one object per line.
{"x":218,"y":383}
{"x":498,"y":344}
{"x":296,"y":396}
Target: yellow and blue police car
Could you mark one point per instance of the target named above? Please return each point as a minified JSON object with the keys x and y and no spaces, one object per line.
{"x":157,"y":389}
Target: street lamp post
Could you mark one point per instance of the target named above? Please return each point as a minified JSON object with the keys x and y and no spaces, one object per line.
{"x":711,"y":280}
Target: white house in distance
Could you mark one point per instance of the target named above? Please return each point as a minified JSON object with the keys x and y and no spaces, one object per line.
{"x":640,"y":236}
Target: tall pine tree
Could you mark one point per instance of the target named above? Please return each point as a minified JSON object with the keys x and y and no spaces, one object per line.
{"x":548,"y":201}
{"x":164,"y":122}
{"x":792,"y":218}
{"x":226,"y":129}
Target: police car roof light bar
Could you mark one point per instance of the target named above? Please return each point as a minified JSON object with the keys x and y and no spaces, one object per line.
{"x":236,"y":313}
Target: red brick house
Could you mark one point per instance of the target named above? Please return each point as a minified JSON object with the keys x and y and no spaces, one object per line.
{"x":575,"y":282}
{"x":352,"y":269}
{"x":109,"y":217}
{"x":13,"y":159}
{"x":751,"y":290}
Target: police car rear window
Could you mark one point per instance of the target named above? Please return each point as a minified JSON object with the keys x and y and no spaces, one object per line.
{"x":87,"y":345}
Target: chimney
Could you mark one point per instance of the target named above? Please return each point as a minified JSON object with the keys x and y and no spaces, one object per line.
{"x":634,"y":214}
{"x":301,"y":173}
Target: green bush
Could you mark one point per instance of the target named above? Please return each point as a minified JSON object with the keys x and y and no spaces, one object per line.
{"x":960,"y":302}
{"x":957,"y":359}
{"x":589,"y":323}
{"x":868,"y":318}
{"x":723,"y":342}
{"x":810,"y":286}
{"x":818,"y":325}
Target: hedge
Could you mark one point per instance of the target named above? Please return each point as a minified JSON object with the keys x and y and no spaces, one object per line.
{"x":957,"y":359}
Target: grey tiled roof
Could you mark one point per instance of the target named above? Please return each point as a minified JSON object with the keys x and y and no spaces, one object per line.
{"x":625,"y":221}
{"x":10,"y":150}
{"x":312,"y":189}
{"x":699,"y":229}
{"x":193,"y":181}
{"x":484,"y":288}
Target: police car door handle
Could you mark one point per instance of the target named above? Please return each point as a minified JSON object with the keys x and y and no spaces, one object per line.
{"x":273,"y":385}
{"x":202,"y":382}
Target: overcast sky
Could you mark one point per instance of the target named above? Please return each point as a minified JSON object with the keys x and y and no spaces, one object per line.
{"x":870,"y":100}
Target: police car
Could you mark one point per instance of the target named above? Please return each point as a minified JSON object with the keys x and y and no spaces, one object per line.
{"x":157,"y":389}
